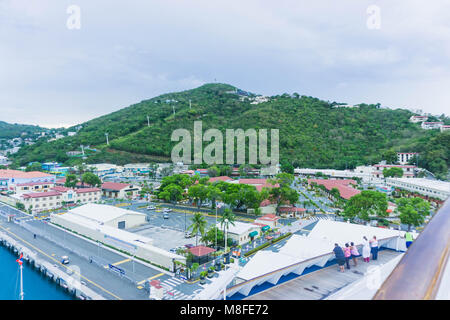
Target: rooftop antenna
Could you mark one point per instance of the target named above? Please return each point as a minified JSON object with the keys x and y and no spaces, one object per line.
{"x":107,"y":140}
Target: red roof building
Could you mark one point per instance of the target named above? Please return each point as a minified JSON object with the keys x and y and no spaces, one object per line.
{"x":345,"y":190}
{"x":221,"y":178}
{"x":116,"y":186}
{"x":200,"y":251}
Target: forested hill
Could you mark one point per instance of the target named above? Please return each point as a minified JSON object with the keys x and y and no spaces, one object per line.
{"x":9,"y":130}
{"x":313,"y":133}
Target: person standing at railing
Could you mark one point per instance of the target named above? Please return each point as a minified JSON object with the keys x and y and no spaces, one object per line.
{"x":347,"y":255}
{"x":355,"y":253}
{"x":340,"y":258}
{"x":409,"y":239}
{"x":374,"y":248}
{"x":366,"y":250}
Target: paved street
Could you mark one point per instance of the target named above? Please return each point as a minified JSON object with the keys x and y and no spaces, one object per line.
{"x":52,"y":243}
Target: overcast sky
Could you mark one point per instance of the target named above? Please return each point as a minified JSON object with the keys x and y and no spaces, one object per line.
{"x":128,"y":51}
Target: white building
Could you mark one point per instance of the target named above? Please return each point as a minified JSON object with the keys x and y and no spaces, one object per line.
{"x":120,"y":190}
{"x":445,"y":128}
{"x":49,"y":199}
{"x":110,"y":215}
{"x":137,"y":168}
{"x":404,"y":157}
{"x":365,"y":173}
{"x":431,"y":125}
{"x":431,"y":188}
{"x":408,"y":170}
{"x":29,"y":187}
{"x":41,"y":201}
{"x":105,"y":224}
{"x":103,"y":169}
{"x":241,"y":232}
{"x":3,"y":161}
{"x":416,"y":119}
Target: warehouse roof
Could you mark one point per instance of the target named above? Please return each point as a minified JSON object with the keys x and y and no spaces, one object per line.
{"x":101,"y":213}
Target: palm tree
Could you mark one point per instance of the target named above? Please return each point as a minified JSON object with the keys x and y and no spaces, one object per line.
{"x":198,"y":225}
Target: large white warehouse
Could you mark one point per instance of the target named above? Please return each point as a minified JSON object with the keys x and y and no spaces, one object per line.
{"x":106,"y":224}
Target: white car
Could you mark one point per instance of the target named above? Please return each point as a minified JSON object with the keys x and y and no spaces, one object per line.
{"x":167,"y":210}
{"x":151,"y":208}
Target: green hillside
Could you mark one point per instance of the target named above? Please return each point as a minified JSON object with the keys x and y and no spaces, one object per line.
{"x":313,"y":133}
{"x":9,"y":131}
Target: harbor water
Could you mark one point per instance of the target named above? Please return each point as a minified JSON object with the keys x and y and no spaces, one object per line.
{"x":36,"y":286}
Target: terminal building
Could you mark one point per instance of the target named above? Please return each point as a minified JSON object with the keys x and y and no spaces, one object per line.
{"x":108,"y":224}
{"x":426,"y":187}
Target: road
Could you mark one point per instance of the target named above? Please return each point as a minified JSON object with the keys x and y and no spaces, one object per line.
{"x":52,"y":243}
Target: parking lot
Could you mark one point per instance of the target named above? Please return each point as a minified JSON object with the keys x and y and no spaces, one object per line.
{"x":166,"y":233}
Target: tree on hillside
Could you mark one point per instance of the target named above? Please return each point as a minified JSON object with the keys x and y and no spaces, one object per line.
{"x":35,"y":166}
{"x":366,"y":205}
{"x":390,"y":156}
{"x":286,"y":167}
{"x":413,"y":211}
{"x":91,"y":179}
{"x":393,"y":172}
{"x":71,"y":181}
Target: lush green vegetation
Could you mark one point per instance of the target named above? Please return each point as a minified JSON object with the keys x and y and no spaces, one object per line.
{"x":313,"y":133}
{"x":413,"y":211}
{"x":366,"y":206}
{"x":9,"y":131}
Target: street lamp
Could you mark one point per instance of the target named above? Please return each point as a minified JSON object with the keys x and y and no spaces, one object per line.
{"x":226,"y":234}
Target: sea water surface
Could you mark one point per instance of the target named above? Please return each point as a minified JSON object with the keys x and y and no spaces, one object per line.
{"x":35,"y":285}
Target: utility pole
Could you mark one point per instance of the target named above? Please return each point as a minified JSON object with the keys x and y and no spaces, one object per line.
{"x":107,"y":140}
{"x":190,"y":105}
{"x":148,"y":121}
{"x":173,"y":108}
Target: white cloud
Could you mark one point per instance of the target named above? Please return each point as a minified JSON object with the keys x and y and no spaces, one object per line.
{"x":126,"y":52}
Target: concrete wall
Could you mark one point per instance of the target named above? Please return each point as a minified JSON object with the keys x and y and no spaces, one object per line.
{"x":131,"y":221}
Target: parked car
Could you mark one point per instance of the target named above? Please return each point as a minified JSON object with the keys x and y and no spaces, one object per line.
{"x":187,"y":235}
{"x":167,"y":210}
{"x":65,"y":260}
{"x":189,"y":245}
{"x":151,"y":208}
{"x":165,"y":215}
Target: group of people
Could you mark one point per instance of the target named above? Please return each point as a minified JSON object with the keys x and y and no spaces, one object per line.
{"x":350,"y":251}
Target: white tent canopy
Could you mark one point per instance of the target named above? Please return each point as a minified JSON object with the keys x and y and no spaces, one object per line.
{"x":342,"y":232}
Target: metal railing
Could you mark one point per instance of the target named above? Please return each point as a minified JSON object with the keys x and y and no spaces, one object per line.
{"x":419,"y":273}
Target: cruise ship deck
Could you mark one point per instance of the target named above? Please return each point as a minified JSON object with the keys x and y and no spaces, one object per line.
{"x":324,"y":283}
